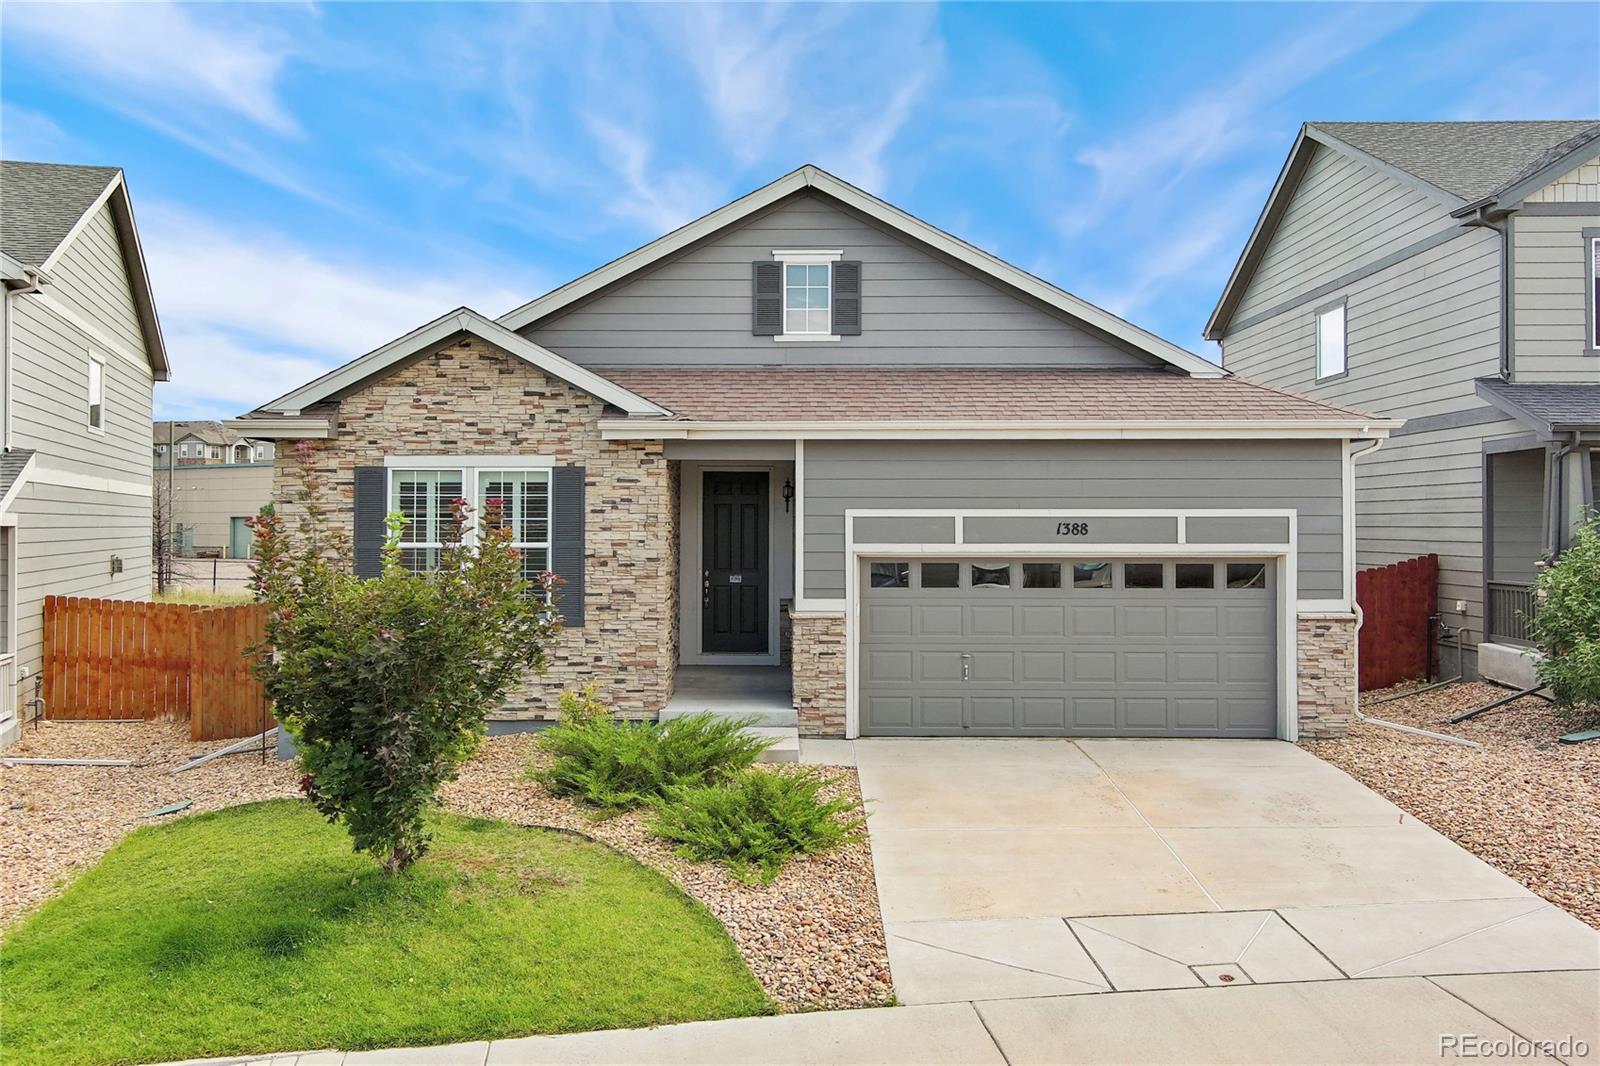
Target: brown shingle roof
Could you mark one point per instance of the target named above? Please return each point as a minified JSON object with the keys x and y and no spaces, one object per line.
{"x":837,"y":394}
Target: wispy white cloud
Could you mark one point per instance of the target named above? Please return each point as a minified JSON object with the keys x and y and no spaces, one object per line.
{"x":250,"y":313}
{"x":164,"y":53}
{"x":1148,"y":162}
{"x":28,"y":134}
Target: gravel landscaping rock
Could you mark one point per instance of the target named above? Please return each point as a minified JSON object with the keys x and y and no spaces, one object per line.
{"x":1525,"y":804}
{"x":55,"y":820}
{"x":813,"y":938}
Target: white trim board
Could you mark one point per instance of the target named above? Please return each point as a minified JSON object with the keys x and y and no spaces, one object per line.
{"x":1036,"y":429}
{"x":812,"y":177}
{"x":1285,"y":555}
{"x":50,"y":475}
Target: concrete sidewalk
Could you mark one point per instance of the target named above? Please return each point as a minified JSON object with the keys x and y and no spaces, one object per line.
{"x":1368,"y":1021}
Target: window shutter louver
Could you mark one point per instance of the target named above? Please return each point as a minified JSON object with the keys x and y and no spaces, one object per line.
{"x":566,"y":541}
{"x":372,"y":507}
{"x":766,"y":313}
{"x":847,"y":298}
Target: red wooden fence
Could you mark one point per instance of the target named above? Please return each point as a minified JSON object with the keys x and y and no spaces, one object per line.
{"x":127,"y":659}
{"x":1397,"y":602}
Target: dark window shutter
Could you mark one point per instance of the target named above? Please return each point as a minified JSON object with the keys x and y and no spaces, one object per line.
{"x":847,"y":298}
{"x":566,"y":541}
{"x":766,"y":310}
{"x":372,"y":507}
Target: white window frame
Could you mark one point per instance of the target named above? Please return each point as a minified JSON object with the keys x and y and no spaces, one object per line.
{"x":95,"y":394}
{"x":788,"y":257}
{"x":1323,"y":372}
{"x":1591,"y":296}
{"x":472,"y":468}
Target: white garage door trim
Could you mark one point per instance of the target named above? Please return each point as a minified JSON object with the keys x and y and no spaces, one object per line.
{"x":1284,"y":553}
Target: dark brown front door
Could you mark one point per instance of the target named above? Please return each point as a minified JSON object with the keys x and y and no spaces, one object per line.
{"x":733,"y":592}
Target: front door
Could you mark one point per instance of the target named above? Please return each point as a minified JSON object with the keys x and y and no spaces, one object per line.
{"x":733,"y":590}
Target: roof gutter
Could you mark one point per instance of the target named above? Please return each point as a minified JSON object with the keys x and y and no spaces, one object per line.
{"x":1476,"y":215}
{"x":1037,"y":429}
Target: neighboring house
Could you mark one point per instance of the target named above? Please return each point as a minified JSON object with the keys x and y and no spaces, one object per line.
{"x":216,"y":481}
{"x":1444,"y":273}
{"x":811,"y":429}
{"x":82,"y":348}
{"x":206,"y":444}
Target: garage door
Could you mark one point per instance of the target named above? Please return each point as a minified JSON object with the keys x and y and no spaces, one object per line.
{"x":1068,"y":647}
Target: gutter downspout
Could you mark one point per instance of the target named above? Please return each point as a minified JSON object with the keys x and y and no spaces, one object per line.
{"x":1481,"y":220}
{"x":1361,"y":619}
{"x":34,"y":282}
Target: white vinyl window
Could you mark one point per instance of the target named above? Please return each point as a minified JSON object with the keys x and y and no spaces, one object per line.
{"x":97,"y":392}
{"x":519,"y":499}
{"x":1593,"y":340}
{"x":1331,"y":341}
{"x":807,"y":298}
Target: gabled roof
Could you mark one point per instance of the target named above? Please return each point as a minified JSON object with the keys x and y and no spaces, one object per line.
{"x":211,"y":432}
{"x":14,"y":466}
{"x":433,"y":335}
{"x":811,"y":177}
{"x":1468,"y":160}
{"x":1549,"y":407}
{"x":1463,"y":165}
{"x":44,"y":205}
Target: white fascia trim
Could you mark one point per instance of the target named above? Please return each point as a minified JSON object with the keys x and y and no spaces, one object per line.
{"x":810,"y":177}
{"x":482,"y":462}
{"x":16,"y":486}
{"x":683,"y":429}
{"x":804,"y":338}
{"x":464,"y":320}
{"x":282,"y":428}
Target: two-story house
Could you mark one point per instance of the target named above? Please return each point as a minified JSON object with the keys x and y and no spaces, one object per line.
{"x":811,"y":435}
{"x":1444,"y":273}
{"x":213,"y":481}
{"x":81,"y":351}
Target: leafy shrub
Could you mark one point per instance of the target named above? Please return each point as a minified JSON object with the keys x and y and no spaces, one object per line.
{"x":385,"y":683}
{"x":580,"y":706}
{"x":757,"y":821}
{"x":618,"y":765}
{"x":1566,"y":624}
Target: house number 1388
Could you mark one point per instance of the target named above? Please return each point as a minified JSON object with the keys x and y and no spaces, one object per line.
{"x":1072,"y":529}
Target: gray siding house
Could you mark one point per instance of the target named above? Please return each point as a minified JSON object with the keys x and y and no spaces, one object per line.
{"x":215,"y":481}
{"x":1443,"y":273}
{"x":81,"y":351}
{"x":810,"y":435}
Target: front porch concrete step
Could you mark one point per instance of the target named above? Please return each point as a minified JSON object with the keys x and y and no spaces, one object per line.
{"x":765,"y":717}
{"x":787,"y":746}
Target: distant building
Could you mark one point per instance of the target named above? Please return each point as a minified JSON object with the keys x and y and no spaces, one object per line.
{"x":216,"y":481}
{"x":206,"y":444}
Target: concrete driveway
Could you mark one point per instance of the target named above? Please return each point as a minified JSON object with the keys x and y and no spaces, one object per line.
{"x":1029,"y":870}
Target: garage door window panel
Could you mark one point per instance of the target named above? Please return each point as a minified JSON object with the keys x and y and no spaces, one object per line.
{"x":890,"y":575}
{"x":941,"y":575}
{"x":1041,"y":575}
{"x":1196,"y":575}
{"x":1091,"y":575}
{"x":1144,"y":575}
{"x":991,"y":575}
{"x":1247,"y":575}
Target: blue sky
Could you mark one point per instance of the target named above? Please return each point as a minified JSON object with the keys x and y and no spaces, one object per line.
{"x":313,"y":180}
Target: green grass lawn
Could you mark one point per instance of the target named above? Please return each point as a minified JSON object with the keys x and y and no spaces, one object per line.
{"x":256,"y":929}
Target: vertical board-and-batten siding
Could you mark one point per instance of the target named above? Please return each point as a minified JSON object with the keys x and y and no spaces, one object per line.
{"x":88,"y":497}
{"x":1303,"y":475}
{"x":916,"y":307}
{"x":1342,"y":215}
{"x":1549,"y":279}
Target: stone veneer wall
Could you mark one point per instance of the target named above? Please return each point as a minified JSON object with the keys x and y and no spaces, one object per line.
{"x":1326,"y":646}
{"x":818,"y":673}
{"x":470,"y":398}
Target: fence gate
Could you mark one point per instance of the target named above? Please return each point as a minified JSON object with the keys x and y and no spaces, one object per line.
{"x":126,"y":659}
{"x":1397,"y":607}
